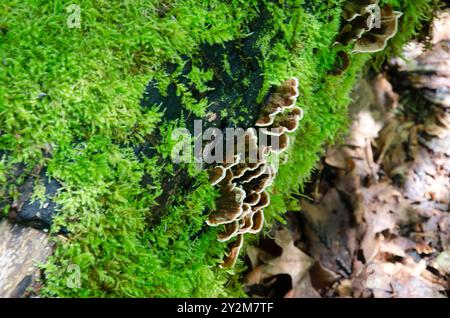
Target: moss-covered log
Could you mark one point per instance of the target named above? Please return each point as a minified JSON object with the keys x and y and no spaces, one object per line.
{"x":91,"y":93}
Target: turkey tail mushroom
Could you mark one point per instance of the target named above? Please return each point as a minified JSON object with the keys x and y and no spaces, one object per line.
{"x":368,"y":26}
{"x":231,"y":230}
{"x":376,"y":39}
{"x":283,"y":98}
{"x":258,"y":222}
{"x":244,"y":178}
{"x":356,"y":8}
{"x":235,"y":248}
{"x":229,"y":206}
{"x":217,"y":174}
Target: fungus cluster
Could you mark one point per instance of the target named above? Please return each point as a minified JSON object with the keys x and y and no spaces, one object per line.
{"x":368,"y":25}
{"x":244,"y":178}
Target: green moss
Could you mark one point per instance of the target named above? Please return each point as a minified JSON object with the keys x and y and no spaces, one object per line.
{"x":75,"y":92}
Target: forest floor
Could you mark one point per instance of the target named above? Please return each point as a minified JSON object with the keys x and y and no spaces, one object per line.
{"x":374,"y":221}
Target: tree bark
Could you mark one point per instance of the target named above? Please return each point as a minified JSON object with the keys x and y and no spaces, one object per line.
{"x":21,"y":249}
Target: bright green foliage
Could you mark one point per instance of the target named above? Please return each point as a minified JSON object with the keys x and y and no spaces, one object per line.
{"x":75,"y":92}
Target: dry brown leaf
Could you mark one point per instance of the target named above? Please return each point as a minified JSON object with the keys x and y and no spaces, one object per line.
{"x":397,"y":280}
{"x":292,"y":261}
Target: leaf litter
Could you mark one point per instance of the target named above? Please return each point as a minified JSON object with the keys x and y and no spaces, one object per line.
{"x":375,"y":219}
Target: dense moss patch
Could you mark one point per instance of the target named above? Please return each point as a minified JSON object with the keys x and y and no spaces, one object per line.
{"x":70,"y":101}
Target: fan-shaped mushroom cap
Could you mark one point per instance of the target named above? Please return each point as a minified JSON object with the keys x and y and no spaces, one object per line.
{"x":217,"y":174}
{"x":252,"y":199}
{"x":281,"y":145}
{"x":246,"y":224}
{"x":229,"y":206}
{"x":290,"y":119}
{"x":230,"y":230}
{"x":285,"y":122}
{"x":235,"y":248}
{"x":249,"y":175}
{"x":227,"y":180}
{"x":355,"y":8}
{"x":283,"y":98}
{"x":246,"y":210}
{"x":268,"y":117}
{"x":259,"y":184}
{"x":263,"y":202}
{"x":240,"y":169}
{"x":376,"y":39}
{"x":356,"y":28}
{"x":258,"y":222}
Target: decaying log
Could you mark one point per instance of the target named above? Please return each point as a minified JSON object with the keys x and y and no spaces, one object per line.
{"x":21,"y":249}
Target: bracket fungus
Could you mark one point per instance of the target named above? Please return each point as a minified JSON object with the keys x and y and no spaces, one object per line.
{"x":243,"y":180}
{"x":233,"y":255}
{"x":368,"y":26}
{"x":356,"y":8}
{"x":376,"y":40}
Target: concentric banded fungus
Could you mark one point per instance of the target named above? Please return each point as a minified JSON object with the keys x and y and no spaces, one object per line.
{"x":235,"y":248}
{"x":246,"y":210}
{"x":286,"y":122}
{"x":259,"y":184}
{"x":245,"y":176}
{"x":368,"y":25}
{"x":289,"y":120}
{"x":217,"y":174}
{"x":376,"y":40}
{"x":283,"y":98}
{"x":355,"y":29}
{"x":263,"y":202}
{"x":246,"y":224}
{"x":231,"y":230}
{"x":355,"y":8}
{"x":251,"y":174}
{"x":258,"y":222}
{"x":252,"y":199}
{"x":229,"y":205}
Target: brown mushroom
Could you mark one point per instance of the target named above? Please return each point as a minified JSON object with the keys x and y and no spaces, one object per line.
{"x":252,"y":199}
{"x":258,"y":222}
{"x":290,"y":119}
{"x":235,"y":248}
{"x":246,"y":223}
{"x":263,"y":202}
{"x":216,"y":175}
{"x":355,"y":29}
{"x":376,"y":39}
{"x":285,"y":122}
{"x":259,"y":184}
{"x":249,"y":175}
{"x":283,"y":98}
{"x":229,"y":206}
{"x":230,"y":230}
{"x":354,"y":8}
{"x":246,"y":175}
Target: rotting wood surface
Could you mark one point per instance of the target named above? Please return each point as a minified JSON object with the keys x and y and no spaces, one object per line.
{"x":21,"y":249}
